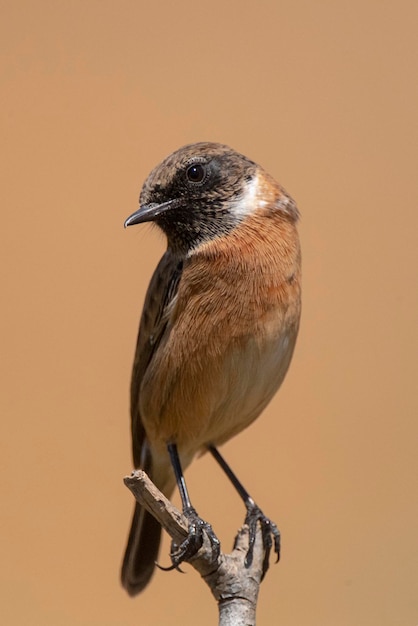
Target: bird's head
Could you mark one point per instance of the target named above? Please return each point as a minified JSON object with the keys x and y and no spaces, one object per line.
{"x":203,"y":191}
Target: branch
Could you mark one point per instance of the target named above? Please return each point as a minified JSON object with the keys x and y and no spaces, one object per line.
{"x":234,"y":585}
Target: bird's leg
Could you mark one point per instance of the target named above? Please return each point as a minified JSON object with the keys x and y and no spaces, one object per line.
{"x":197,"y":525}
{"x":269,"y":530}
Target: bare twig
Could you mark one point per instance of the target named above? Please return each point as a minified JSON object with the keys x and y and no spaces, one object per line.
{"x":234,"y":585}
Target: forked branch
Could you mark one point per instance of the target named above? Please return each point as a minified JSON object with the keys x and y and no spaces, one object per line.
{"x":233,"y":584}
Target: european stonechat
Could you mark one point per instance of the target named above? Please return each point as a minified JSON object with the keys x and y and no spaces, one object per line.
{"x":217,"y":331}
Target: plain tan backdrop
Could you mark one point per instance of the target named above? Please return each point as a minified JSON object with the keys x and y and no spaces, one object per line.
{"x":323,"y":95}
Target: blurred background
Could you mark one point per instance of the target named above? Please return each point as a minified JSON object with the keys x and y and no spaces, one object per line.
{"x":324,"y":96}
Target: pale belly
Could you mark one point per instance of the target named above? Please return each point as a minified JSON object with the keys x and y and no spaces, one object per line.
{"x":209,"y":399}
{"x":251,"y":377}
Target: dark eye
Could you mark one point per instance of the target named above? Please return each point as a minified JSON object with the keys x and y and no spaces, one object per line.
{"x":196,"y":173}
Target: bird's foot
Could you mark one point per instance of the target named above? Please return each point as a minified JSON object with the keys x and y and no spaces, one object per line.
{"x":194,"y":541}
{"x":269,"y":532}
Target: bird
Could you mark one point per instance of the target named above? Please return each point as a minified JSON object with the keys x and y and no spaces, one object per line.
{"x":217,"y":331}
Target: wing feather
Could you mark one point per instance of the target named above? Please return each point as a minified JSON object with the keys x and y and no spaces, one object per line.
{"x":161,"y":293}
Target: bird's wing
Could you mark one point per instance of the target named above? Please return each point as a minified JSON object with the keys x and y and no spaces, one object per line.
{"x":161,"y":292}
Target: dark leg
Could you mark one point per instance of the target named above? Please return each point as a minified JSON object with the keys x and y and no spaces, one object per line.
{"x":270,"y":532}
{"x":194,"y":541}
{"x":178,"y":473}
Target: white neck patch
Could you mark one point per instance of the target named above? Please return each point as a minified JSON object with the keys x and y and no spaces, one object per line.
{"x":249,"y":200}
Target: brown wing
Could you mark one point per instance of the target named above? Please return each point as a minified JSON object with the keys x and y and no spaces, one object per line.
{"x":161,"y":292}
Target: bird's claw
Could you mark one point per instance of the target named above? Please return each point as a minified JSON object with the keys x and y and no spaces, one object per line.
{"x":269,"y":532}
{"x":169,"y":568}
{"x":194,"y":541}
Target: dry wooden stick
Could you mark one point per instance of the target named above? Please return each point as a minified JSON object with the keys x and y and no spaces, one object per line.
{"x":234,"y":585}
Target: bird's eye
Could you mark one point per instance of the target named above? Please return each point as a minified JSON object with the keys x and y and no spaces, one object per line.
{"x":196,"y":173}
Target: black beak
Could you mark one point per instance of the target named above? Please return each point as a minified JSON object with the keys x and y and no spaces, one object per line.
{"x":148,"y":212}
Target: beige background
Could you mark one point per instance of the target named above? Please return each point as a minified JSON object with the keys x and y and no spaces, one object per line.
{"x":324,"y":95}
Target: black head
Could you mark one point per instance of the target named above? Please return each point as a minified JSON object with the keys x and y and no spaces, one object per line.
{"x":190,"y":195}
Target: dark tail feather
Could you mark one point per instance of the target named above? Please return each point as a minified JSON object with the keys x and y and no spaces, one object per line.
{"x":141,"y":551}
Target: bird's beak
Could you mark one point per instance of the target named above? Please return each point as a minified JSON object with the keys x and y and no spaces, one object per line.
{"x":148,"y":212}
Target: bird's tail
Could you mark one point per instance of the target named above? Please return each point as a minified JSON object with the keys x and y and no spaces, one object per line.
{"x":141,"y":552}
{"x":144,"y":538}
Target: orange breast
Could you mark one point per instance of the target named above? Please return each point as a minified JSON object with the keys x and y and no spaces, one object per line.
{"x":230,"y":336}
